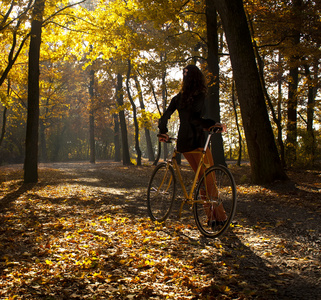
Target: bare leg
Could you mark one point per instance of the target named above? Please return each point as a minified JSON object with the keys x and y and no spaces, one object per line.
{"x":193,"y":158}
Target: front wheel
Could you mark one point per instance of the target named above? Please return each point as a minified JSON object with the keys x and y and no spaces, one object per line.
{"x":215,"y":201}
{"x":161,"y":192}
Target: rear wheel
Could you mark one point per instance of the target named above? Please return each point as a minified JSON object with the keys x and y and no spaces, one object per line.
{"x":161,"y":192}
{"x":210,"y":202}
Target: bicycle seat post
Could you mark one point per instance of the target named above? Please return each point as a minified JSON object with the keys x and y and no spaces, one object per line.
{"x":207,"y":141}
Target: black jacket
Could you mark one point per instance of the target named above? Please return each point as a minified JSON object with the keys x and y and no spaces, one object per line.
{"x":190,"y":134}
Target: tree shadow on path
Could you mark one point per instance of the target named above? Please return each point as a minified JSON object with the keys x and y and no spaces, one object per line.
{"x":9,"y":198}
{"x":246,"y":253}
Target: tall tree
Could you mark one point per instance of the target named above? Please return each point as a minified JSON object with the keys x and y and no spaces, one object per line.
{"x":277,"y":117}
{"x":4,"y":117}
{"x":122,"y":120}
{"x":239,"y":158}
{"x":117,"y":156}
{"x":31,"y":156}
{"x":131,"y":100}
{"x":3,"y":128}
{"x":92,"y":117}
{"x":312,"y":88}
{"x":289,"y":29}
{"x":291,"y":142}
{"x":150,"y":150}
{"x":213,"y":103}
{"x":264,"y":158}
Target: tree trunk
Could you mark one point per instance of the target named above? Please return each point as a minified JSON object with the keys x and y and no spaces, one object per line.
{"x":116,"y":139}
{"x":4,"y":116}
{"x":239,"y":159}
{"x":43,"y":147}
{"x":279,"y":115}
{"x":213,"y":103}
{"x":310,"y":140}
{"x":164,"y":98}
{"x":150,"y":150}
{"x":137,"y":148}
{"x":4,"y":121}
{"x":265,"y":162}
{"x":291,"y":142}
{"x":122,"y":120}
{"x":92,"y":152}
{"x":159,"y":145}
{"x":31,"y":157}
{"x":158,"y":155}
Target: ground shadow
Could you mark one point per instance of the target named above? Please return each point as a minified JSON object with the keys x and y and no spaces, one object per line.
{"x":114,"y":193}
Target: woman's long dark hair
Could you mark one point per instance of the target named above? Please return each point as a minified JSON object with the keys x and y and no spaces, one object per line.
{"x":194,"y":83}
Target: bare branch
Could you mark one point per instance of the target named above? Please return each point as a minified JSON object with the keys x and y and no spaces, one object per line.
{"x":304,"y":120}
{"x":192,"y":12}
{"x":4,"y":26}
{"x":12,"y":58}
{"x":66,"y":27}
{"x":187,"y":31}
{"x":60,"y":10}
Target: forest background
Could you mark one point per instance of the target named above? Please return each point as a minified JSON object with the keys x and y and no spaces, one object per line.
{"x":84,"y":82}
{"x":108,"y":69}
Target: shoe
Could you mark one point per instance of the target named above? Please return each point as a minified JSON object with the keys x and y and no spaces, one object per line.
{"x":221,"y":223}
{"x":215,"y":223}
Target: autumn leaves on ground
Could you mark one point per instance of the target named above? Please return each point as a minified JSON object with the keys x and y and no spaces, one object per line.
{"x":83,"y":232}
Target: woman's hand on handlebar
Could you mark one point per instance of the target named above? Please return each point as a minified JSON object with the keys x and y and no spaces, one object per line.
{"x":163,"y":137}
{"x":217,"y":128}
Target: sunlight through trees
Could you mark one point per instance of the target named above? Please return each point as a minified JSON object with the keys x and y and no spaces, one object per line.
{"x":86,"y":45}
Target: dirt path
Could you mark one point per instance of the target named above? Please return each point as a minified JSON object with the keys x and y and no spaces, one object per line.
{"x":272,"y":253}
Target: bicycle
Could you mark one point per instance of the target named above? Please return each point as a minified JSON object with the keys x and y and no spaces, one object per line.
{"x":162,"y":188}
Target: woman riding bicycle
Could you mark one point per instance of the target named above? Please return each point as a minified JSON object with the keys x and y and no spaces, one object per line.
{"x":190,"y":104}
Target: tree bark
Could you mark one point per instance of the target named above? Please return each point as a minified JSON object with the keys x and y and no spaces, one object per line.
{"x":31,"y":151}
{"x":4,"y":115}
{"x":291,"y":142}
{"x":137,"y":148}
{"x":116,"y":139}
{"x":239,"y":158}
{"x":164,"y":98}
{"x":310,"y":139}
{"x":122,"y":120}
{"x":159,"y":145}
{"x":92,"y":152}
{"x":4,"y":121}
{"x":213,"y":102}
{"x":278,"y":117}
{"x":150,"y":150}
{"x":265,"y":162}
{"x":291,"y":138}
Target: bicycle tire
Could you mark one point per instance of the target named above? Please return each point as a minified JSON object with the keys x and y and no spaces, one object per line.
{"x":204,"y":209}
{"x":161,"y":192}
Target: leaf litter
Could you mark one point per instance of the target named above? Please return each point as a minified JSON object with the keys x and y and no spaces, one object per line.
{"x":82,"y":232}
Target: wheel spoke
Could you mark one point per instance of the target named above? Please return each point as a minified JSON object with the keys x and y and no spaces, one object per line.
{"x":161,"y":192}
{"x":214,"y":214}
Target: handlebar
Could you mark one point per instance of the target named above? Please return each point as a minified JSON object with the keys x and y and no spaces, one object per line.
{"x":170,"y":139}
{"x":215,"y":129}
{"x":211,"y":130}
